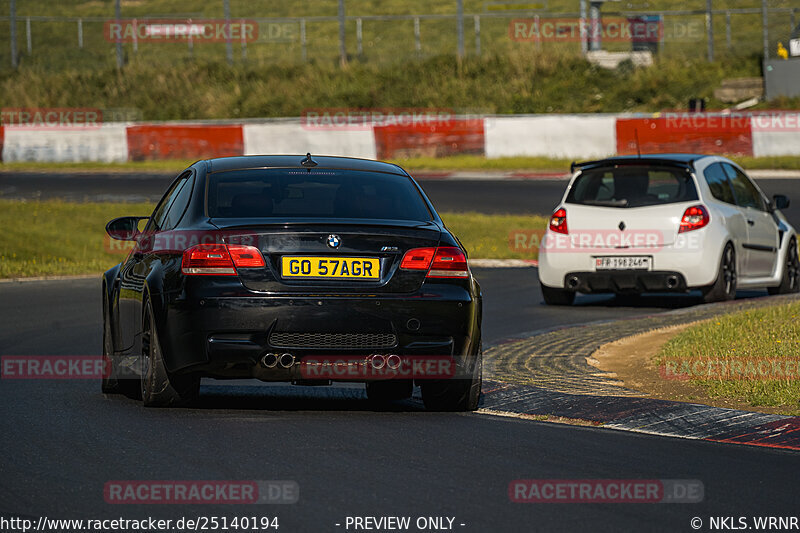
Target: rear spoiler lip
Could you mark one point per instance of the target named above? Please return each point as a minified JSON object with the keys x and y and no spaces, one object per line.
{"x":611,"y":162}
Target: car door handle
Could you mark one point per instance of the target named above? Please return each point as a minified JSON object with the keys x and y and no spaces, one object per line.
{"x":751,"y":222}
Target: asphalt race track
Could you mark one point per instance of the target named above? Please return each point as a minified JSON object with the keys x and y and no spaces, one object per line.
{"x":62,"y":440}
{"x":521,"y":196}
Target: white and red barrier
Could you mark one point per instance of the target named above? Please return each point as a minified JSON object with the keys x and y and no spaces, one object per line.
{"x":561,"y":136}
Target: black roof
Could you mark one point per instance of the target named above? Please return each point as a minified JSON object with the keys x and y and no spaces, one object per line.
{"x":294,"y":161}
{"x":661,"y":159}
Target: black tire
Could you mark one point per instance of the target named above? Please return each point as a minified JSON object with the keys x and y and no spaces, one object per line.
{"x":553,"y":296}
{"x":724,"y":288}
{"x":389,"y":391}
{"x":790,"y":283}
{"x":455,"y":394}
{"x":158,"y":387}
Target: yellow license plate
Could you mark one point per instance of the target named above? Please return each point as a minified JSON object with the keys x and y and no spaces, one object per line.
{"x":330,"y":267}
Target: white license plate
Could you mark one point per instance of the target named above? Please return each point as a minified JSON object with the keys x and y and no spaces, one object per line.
{"x":623,"y":262}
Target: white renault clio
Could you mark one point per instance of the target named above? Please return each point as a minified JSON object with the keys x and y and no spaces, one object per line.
{"x":666,"y":223}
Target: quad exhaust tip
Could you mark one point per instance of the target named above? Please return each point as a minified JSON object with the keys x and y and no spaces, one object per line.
{"x":672,"y":281}
{"x":270,"y":360}
{"x":393,"y":361}
{"x":286,"y":360}
{"x":573,"y":282}
{"x":377,"y":361}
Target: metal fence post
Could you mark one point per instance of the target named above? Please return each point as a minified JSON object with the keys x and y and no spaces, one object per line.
{"x":477,"y":35}
{"x":595,"y":41}
{"x":118,"y":16}
{"x":226,"y":6}
{"x":581,"y":29}
{"x":303,"y":51}
{"x":764,"y":28}
{"x":710,"y":30}
{"x":342,"y":45}
{"x":359,"y":46}
{"x":135,"y":36}
{"x":28,"y":35}
{"x":244,"y":40}
{"x":417,"y":41}
{"x":12,"y":20}
{"x":460,"y":17}
{"x":191,"y":42}
{"x":80,"y":33}
{"x":728,"y":28}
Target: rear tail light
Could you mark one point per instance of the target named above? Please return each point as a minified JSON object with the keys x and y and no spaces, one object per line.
{"x":440,"y":262}
{"x":418,"y":259}
{"x":695,"y":217}
{"x":558,"y":221}
{"x":220,"y":259}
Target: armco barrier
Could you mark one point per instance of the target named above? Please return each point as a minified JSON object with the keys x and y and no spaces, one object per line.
{"x":578,"y":137}
{"x":703,"y":133}
{"x":776,"y":134}
{"x":294,"y":138}
{"x":562,"y":136}
{"x":434,"y":139}
{"x":106,"y":143}
{"x":192,"y":141}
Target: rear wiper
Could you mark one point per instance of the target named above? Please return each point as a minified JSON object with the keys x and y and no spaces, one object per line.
{"x":608,"y":203}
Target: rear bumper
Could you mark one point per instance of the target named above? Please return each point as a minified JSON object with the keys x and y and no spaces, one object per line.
{"x":226,"y":336}
{"x":622,"y":281}
{"x":697,"y":267}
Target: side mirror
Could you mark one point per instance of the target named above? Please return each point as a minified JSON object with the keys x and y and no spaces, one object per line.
{"x":780,"y":201}
{"x":124,"y":228}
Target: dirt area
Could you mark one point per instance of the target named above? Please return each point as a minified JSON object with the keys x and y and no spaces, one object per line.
{"x":630,"y":361}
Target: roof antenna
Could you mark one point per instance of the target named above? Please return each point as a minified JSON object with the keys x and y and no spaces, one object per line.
{"x":636,"y":134}
{"x":308,"y":162}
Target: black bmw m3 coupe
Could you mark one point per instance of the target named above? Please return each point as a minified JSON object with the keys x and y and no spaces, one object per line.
{"x":309,"y":270}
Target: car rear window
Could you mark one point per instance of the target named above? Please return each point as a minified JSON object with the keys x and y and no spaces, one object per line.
{"x":310,"y":193}
{"x":632,"y":186}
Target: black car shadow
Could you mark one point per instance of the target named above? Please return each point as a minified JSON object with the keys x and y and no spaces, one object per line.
{"x":652,"y":300}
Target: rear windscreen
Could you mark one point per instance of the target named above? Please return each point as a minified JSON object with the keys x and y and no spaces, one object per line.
{"x":323,"y":193}
{"x":632,"y":186}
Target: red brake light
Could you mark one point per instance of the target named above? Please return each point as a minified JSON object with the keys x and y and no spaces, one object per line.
{"x":246,"y":256}
{"x":558,"y":221}
{"x":418,"y":259}
{"x":695,"y":217}
{"x":443,"y":262}
{"x":219,"y":259}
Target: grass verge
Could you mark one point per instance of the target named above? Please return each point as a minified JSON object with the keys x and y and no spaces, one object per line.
{"x":62,"y":238}
{"x":58,"y":238}
{"x":415,"y":164}
{"x":751,"y":356}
